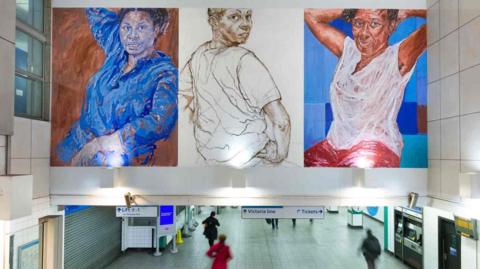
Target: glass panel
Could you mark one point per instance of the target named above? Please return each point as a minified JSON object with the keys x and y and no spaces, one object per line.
{"x":28,"y":97}
{"x":25,"y":249}
{"x":143,"y":221}
{"x":28,"y":53}
{"x":31,"y":12}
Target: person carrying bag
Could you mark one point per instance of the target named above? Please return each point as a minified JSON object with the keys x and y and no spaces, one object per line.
{"x":210,"y":224}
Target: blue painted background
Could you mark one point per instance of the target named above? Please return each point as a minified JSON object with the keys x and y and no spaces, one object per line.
{"x":319,"y":66}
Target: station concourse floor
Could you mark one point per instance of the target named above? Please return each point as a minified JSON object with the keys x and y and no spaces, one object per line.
{"x":327,"y":243}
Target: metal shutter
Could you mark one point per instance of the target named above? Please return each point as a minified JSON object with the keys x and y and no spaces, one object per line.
{"x":92,"y":238}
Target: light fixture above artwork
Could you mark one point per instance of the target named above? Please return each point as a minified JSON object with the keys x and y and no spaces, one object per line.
{"x":129,"y":199}
{"x":412,"y":199}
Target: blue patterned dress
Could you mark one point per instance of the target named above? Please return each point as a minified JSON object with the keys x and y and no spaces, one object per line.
{"x":141,"y":105}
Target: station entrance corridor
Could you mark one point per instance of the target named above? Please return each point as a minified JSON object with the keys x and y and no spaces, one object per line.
{"x":325,"y":243}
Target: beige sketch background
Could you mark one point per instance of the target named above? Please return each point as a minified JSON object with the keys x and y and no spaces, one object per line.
{"x":277,"y":40}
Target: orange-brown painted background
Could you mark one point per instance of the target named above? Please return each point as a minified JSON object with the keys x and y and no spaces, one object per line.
{"x":75,"y":58}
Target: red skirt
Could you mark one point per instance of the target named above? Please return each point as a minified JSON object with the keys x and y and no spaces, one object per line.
{"x":365,"y":154}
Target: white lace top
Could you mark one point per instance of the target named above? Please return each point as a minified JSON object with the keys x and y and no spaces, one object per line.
{"x":365,"y":104}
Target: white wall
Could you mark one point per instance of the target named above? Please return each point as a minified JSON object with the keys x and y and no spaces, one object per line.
{"x":3,"y":155}
{"x":454,"y":99}
{"x":7,"y":68}
{"x":453,"y":116}
{"x":469,"y":253}
{"x":15,"y":196}
{"x":208,"y":185}
{"x":30,"y":153}
{"x":391,"y":229}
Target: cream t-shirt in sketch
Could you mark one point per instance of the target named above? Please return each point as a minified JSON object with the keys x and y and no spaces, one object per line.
{"x":229,"y":87}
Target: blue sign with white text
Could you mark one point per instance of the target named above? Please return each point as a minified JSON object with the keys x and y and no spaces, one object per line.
{"x":166,"y":214}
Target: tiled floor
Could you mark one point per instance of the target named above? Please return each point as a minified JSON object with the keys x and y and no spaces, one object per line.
{"x":326,"y":243}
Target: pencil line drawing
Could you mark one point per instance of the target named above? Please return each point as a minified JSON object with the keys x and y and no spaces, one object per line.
{"x":233,"y":101}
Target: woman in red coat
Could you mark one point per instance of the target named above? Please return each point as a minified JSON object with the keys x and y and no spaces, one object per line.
{"x":220,"y":253}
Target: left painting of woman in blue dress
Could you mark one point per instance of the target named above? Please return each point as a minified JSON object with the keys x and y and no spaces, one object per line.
{"x":114,"y":100}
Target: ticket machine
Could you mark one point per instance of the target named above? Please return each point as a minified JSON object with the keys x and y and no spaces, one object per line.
{"x":398,"y":246}
{"x":409,"y":236}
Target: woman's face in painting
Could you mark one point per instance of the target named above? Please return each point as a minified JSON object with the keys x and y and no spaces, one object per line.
{"x":371,"y":29}
{"x":138,"y":33}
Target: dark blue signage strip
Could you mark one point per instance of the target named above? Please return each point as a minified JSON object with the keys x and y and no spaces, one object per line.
{"x":70,"y":209}
{"x":262,"y":206}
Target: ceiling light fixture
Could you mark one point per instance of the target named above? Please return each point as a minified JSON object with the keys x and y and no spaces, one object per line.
{"x":412,"y":199}
{"x":129,"y":199}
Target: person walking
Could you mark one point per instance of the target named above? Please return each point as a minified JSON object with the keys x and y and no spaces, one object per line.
{"x":211,"y":231}
{"x":294,"y":222}
{"x":371,"y":249}
{"x":274,"y":223}
{"x":220,"y":252}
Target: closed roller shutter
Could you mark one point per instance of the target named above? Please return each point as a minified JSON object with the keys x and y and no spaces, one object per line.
{"x":92,"y":238}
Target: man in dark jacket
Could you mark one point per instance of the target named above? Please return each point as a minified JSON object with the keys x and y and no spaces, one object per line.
{"x":371,"y":249}
{"x":211,"y":231}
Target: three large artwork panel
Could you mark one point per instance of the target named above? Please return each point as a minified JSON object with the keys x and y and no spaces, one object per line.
{"x":238,"y":87}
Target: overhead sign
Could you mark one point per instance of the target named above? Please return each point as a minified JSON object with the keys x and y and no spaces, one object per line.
{"x":466,"y":227}
{"x":136,"y":211}
{"x":166,"y":220}
{"x":283,"y":212}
